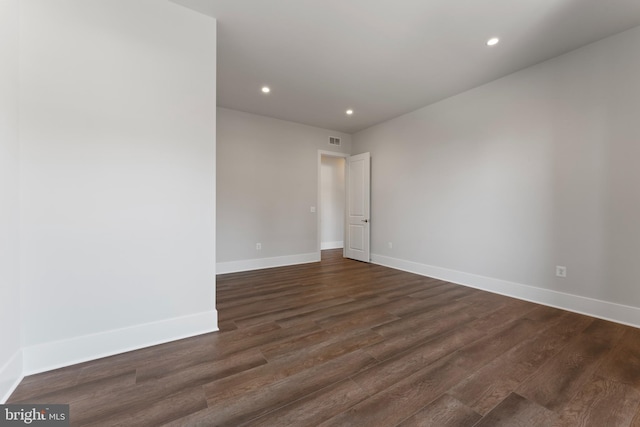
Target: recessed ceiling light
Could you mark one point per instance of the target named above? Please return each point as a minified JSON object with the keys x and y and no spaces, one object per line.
{"x":493,"y":41}
{"x":265,"y":89}
{"x":349,"y":112}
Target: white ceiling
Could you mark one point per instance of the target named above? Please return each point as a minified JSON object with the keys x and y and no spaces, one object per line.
{"x":384,"y":58}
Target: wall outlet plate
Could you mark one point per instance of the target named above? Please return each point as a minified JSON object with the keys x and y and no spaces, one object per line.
{"x":561,"y":271}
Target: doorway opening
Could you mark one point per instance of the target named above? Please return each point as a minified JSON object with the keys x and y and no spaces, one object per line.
{"x":331,"y":200}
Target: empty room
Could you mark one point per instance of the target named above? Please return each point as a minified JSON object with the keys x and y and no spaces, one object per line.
{"x":319,"y":213}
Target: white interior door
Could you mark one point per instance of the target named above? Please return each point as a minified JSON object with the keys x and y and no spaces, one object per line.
{"x":356,"y":233}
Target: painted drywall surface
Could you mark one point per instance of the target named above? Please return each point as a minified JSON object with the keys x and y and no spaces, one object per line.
{"x":531,"y":171}
{"x":332,"y":196}
{"x":266,"y":183}
{"x":117,"y":134}
{"x":10,"y":367}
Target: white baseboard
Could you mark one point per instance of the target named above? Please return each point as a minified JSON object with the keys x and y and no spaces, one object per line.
{"x":618,"y":313}
{"x":332,"y":245}
{"x":260,"y":263}
{"x":57,"y":354}
{"x":10,"y":376}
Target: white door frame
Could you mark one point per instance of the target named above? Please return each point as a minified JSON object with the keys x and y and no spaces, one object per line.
{"x":319,"y":203}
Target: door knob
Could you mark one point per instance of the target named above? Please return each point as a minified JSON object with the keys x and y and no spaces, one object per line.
{"x":365,"y":220}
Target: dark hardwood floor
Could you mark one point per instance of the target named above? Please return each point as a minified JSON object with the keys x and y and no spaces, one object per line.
{"x":344,"y":343}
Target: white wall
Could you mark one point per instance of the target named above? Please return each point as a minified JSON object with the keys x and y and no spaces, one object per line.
{"x":117,"y":135}
{"x":332,"y":197}
{"x":496,"y":186}
{"x":10,"y":357}
{"x":267,"y":182}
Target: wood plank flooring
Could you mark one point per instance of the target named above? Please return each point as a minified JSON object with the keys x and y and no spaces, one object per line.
{"x":344,"y":343}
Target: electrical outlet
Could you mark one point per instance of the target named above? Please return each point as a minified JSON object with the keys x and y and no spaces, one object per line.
{"x":390,"y":245}
{"x":561,"y":271}
{"x":258,"y":246}
{"x":312,"y":209}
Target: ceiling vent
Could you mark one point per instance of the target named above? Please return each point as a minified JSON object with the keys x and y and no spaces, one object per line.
{"x":334,"y":140}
